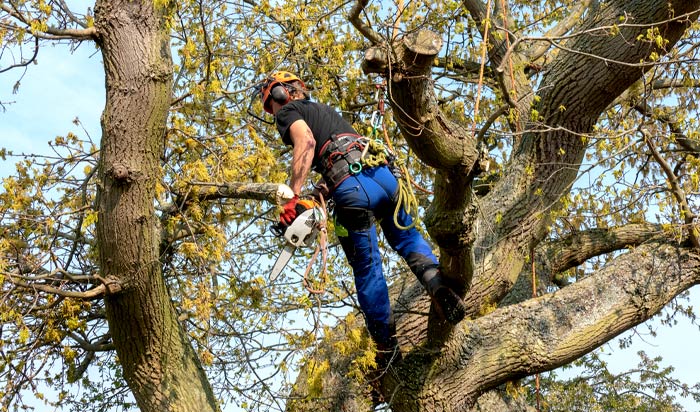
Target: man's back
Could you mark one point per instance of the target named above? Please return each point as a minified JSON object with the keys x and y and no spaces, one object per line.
{"x":322,"y":119}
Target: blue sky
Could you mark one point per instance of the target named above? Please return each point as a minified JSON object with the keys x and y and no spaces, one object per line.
{"x":64,"y":86}
{"x":61,"y":87}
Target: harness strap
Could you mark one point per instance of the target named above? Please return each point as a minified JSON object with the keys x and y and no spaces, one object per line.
{"x":339,"y":157}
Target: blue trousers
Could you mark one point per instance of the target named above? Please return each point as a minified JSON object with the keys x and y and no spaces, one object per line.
{"x":361,"y":201}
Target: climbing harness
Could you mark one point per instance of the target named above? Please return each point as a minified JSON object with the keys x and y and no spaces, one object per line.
{"x":340,"y":156}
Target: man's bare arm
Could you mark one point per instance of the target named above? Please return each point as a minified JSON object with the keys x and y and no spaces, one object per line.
{"x":302,"y":154}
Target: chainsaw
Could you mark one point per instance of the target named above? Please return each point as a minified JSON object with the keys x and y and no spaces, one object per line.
{"x":301,"y":232}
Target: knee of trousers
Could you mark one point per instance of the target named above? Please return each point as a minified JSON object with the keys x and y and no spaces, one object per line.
{"x":373,"y":296}
{"x":421,"y":262}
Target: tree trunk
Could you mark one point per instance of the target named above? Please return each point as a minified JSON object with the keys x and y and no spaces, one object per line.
{"x":159,"y":363}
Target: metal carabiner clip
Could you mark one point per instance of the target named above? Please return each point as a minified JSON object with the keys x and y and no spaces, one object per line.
{"x":376,"y":119}
{"x":355,"y":168}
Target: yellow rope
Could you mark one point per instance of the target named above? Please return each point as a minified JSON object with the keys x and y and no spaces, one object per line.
{"x":374,"y":155}
{"x":406,"y":198}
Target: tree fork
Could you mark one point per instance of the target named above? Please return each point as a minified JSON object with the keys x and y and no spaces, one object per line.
{"x":437,"y":141}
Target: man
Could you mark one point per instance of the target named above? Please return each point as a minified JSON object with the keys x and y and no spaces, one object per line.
{"x":323,"y":140}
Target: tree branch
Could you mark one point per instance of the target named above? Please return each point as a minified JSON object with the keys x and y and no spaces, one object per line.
{"x":276,"y":193}
{"x":365,"y":30}
{"x":515,"y":214}
{"x":102,"y":344}
{"x":506,"y":64}
{"x":576,"y":248}
{"x":51,"y":33}
{"x":545,"y":333}
{"x":677,"y":191}
{"x":572,"y":20}
{"x":26,"y":62}
{"x":664,"y":116}
{"x":108,"y":286}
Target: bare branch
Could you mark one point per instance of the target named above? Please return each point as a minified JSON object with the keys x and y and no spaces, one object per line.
{"x":666,"y":117}
{"x":689,"y":217}
{"x":100,"y":346}
{"x":367,"y":31}
{"x":51,"y":33}
{"x":559,"y":41}
{"x":560,"y":29}
{"x":571,"y":251}
{"x":27,"y":62}
{"x":107,"y":287}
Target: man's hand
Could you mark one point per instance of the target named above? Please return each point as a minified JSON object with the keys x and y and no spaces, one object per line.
{"x":320,"y":191}
{"x":289,"y":211}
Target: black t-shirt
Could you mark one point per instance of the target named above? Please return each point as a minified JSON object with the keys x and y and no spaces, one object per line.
{"x":322,"y":119}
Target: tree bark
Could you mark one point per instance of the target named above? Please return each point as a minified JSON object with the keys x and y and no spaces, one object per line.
{"x":545,"y":333}
{"x":157,"y":358}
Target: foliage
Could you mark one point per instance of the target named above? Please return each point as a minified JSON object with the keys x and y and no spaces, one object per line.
{"x":589,"y":385}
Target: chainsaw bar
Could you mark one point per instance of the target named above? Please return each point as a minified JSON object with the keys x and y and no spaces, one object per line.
{"x":301,"y":232}
{"x":282,"y":261}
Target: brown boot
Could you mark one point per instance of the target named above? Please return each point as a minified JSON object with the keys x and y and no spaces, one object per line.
{"x":448,"y":303}
{"x":388,"y":354}
{"x":384,"y":336}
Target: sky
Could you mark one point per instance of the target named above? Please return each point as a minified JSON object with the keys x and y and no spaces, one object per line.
{"x":63,"y":86}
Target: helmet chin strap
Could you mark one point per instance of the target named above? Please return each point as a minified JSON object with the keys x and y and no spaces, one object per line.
{"x":253,"y":97}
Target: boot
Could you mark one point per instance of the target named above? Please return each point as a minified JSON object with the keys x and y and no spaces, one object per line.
{"x":448,"y":303}
{"x":384,"y":337}
{"x":387,"y":354}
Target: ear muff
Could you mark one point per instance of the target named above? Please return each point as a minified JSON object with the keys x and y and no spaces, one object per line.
{"x":280,"y":94}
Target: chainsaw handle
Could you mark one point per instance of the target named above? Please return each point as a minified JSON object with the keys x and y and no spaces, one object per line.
{"x":278,"y":229}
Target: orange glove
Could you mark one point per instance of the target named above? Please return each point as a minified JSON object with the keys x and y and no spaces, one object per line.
{"x":289,"y":211}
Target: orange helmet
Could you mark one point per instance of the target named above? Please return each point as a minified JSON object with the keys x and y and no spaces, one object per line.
{"x":277,"y":78}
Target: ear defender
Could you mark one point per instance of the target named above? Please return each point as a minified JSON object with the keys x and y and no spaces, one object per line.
{"x":280,"y":94}
{"x":277,"y":88}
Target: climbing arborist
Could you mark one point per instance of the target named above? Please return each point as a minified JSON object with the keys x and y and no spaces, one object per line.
{"x":323,"y":141}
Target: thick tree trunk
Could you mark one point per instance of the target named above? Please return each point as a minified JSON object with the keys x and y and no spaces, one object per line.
{"x":157,"y":358}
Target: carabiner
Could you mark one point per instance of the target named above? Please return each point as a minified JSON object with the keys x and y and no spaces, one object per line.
{"x":355,"y":168}
{"x":376,"y":119}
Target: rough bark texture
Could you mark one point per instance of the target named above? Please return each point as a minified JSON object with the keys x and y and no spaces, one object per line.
{"x":157,"y":358}
{"x":485,"y":243}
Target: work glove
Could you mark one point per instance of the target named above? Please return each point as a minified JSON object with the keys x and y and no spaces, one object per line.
{"x":289,"y":211}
